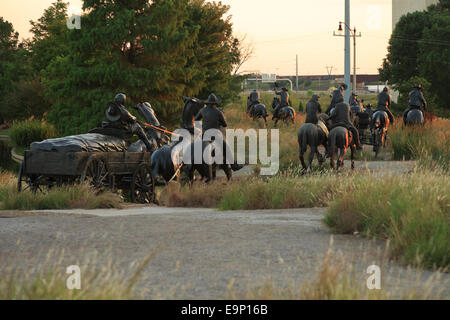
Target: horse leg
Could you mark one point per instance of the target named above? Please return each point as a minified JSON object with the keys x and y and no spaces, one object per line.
{"x":312,"y":152}
{"x":341,"y":157}
{"x":302,"y":160}
{"x":214,"y":171}
{"x":332,"y":155}
{"x":352,"y":155}
{"x":209,"y":173}
{"x":320,"y":158}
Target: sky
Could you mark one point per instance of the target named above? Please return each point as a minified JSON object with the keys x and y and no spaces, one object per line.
{"x":278,"y":30}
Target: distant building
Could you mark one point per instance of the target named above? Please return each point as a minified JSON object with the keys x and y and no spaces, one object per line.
{"x":402,"y":7}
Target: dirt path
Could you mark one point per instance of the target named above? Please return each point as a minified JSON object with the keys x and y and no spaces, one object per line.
{"x":202,"y":250}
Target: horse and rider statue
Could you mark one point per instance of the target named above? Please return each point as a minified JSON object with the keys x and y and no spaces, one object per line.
{"x":414,"y":114}
{"x":255,"y":109}
{"x":281,"y":106}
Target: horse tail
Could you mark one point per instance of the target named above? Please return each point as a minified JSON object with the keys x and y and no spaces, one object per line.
{"x":331,"y":142}
{"x":302,"y":141}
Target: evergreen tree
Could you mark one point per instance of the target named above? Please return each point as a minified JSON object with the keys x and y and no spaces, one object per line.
{"x":50,"y":36}
{"x":135,"y":47}
{"x":152,"y":51}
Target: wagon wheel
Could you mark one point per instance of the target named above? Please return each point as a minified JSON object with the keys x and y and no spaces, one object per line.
{"x":143,"y":185}
{"x":96,"y":173}
{"x":32,"y":183}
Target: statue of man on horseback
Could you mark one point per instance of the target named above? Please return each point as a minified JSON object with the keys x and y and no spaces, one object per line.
{"x":416,"y":101}
{"x":253,"y":99}
{"x":284,"y":100}
{"x":336,"y":97}
{"x":384,"y":104}
{"x":313,"y":109}
{"x":341,"y":118}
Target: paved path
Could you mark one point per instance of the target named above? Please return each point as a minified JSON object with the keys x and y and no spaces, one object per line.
{"x":201,"y":250}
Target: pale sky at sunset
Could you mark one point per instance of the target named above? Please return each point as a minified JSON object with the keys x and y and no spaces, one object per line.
{"x":278,"y":29}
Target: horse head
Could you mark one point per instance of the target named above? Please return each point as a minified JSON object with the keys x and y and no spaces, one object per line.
{"x":191,"y":107}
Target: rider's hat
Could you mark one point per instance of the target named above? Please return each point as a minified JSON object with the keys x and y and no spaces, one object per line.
{"x":112,"y":112}
{"x":284,"y":89}
{"x":344,"y":85}
{"x":212,"y":99}
{"x":418,"y":86}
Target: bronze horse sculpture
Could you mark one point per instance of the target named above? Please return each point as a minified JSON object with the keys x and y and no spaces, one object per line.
{"x":380,"y":125}
{"x":414,"y":117}
{"x":285,"y":114}
{"x":191,"y":107}
{"x":340,"y":138}
{"x":259,"y":111}
{"x":312,"y":135}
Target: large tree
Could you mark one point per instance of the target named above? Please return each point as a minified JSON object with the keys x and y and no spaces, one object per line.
{"x":50,"y":36}
{"x":14,"y":71}
{"x":152,"y":51}
{"x":419,"y":47}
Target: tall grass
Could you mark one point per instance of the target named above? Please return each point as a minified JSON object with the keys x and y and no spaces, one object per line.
{"x":429,"y":144}
{"x":24,"y":133}
{"x":413,"y":211}
{"x":65,"y":197}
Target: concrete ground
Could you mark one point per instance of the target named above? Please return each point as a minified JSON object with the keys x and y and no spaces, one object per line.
{"x":199,"y":252}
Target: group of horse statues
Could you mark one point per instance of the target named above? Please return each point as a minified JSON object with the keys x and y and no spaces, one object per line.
{"x":372,"y":125}
{"x":166,"y":165}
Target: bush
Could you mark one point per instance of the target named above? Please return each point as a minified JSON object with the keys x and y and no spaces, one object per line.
{"x":24,"y":133}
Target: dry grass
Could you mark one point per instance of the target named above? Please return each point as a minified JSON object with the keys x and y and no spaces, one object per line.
{"x":413,"y":211}
{"x":430,"y":144}
{"x":101,"y":278}
{"x":336,"y":279}
{"x":65,"y":197}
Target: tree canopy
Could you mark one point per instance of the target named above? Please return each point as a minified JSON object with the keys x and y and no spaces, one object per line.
{"x":154,"y":51}
{"x":419,"y":48}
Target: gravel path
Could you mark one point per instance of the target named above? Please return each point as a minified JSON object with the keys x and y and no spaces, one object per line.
{"x":200,"y":250}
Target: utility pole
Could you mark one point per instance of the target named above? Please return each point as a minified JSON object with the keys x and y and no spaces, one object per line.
{"x":354,"y":58}
{"x":348,"y":32}
{"x":296,"y":72}
{"x":347,"y":51}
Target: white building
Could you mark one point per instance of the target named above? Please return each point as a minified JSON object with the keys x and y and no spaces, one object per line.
{"x":401,"y":7}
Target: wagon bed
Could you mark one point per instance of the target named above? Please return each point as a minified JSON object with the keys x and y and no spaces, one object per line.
{"x":103,"y":170}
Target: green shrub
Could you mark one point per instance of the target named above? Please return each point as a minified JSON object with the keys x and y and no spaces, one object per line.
{"x":23,"y":133}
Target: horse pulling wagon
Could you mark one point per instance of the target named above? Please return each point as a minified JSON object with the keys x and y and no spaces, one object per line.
{"x":127,"y":171}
